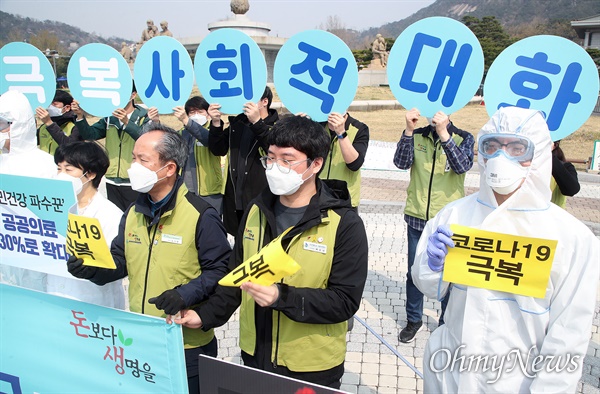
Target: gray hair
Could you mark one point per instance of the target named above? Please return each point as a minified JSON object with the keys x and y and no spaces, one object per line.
{"x":171,"y":147}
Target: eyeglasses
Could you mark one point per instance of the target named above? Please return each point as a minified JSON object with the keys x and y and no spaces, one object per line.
{"x":285,"y":166}
{"x":519,"y":148}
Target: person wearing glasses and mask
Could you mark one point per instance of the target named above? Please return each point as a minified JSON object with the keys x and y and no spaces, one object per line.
{"x":58,"y":123}
{"x":84,"y":163}
{"x":515,"y":164}
{"x":297,"y":327}
{"x":171,"y":244}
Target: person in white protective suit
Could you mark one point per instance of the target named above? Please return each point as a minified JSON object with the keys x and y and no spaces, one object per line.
{"x":84,"y":163}
{"x":21,"y":156}
{"x":501,"y":330}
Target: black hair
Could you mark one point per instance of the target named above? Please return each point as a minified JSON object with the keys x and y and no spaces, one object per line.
{"x":88,"y":156}
{"x":267,"y":94}
{"x":196,"y":102}
{"x":63,"y":97}
{"x":133,"y":88}
{"x":171,"y":147}
{"x":302,"y":134}
{"x":558,"y":152}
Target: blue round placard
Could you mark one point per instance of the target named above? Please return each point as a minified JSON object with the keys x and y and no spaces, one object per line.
{"x":163,"y":74}
{"x":315,"y":73}
{"x":99,"y":79}
{"x":230,"y":70}
{"x":547,"y":73}
{"x":24,"y":68}
{"x":436,"y":64}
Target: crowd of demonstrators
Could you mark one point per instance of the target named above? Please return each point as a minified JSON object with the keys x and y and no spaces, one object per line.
{"x":171,"y":244}
{"x":84,"y":163}
{"x":202,"y":172}
{"x":515,"y":164}
{"x":438,"y":156}
{"x":298,"y":175}
{"x":120,"y":132}
{"x":57,"y":123}
{"x":310,"y":310}
{"x":243,"y":142}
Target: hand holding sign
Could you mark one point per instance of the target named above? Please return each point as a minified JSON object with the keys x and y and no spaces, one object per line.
{"x":263,"y":295}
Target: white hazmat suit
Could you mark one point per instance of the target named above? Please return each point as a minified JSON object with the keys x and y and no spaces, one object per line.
{"x":492,"y":326}
{"x":25,"y":159}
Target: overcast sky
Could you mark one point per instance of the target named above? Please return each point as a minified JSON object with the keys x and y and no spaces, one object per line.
{"x":127,"y":18}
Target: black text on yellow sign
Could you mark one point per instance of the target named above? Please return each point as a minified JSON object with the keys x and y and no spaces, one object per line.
{"x":86,"y":241}
{"x":496,"y":261}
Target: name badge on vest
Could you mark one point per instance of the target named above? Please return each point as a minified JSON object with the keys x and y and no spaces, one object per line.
{"x":172,"y":239}
{"x":313,"y":247}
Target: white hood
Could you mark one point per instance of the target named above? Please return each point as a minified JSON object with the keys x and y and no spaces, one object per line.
{"x":535,"y":192}
{"x":14,"y":105}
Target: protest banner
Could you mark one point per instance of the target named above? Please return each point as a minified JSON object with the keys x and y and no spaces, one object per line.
{"x":82,"y":347}
{"x":503,"y":262}
{"x":34,"y":215}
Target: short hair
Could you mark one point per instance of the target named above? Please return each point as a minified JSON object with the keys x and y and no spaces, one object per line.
{"x":89,"y":156}
{"x":63,"y":97}
{"x":267,"y":94}
{"x":196,"y":102}
{"x":171,"y":147}
{"x":302,"y":134}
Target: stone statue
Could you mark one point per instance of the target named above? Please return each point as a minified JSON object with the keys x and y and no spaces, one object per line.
{"x":126,"y":52}
{"x":240,"y":7}
{"x":164,"y":25}
{"x":150,"y":32}
{"x":379,"y":51}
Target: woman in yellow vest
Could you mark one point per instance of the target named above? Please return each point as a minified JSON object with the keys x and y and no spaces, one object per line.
{"x":564,"y":180}
{"x":58,"y":123}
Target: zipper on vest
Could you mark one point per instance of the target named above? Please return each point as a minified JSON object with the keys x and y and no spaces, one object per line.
{"x":148,"y":268}
{"x":277,"y":340}
{"x":430,"y":182}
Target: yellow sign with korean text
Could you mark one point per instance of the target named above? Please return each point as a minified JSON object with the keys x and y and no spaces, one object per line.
{"x":86,"y":241}
{"x":266,"y":267}
{"x":502,"y":262}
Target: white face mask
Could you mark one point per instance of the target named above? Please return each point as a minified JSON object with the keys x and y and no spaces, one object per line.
{"x":143,"y":179}
{"x":3,"y":138}
{"x":54,"y":111}
{"x":200,"y":119}
{"x":284,"y":184}
{"x":77,"y":184}
{"x":504,"y":175}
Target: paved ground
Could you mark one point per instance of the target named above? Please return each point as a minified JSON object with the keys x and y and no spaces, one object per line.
{"x":371,"y":367}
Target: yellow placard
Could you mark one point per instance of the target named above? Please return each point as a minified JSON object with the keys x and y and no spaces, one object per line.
{"x":496,"y":261}
{"x":266,"y":267}
{"x":86,"y":241}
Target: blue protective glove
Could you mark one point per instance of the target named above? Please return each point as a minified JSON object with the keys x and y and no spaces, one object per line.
{"x":437,"y":247}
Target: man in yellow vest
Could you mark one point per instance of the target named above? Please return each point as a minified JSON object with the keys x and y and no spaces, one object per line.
{"x":438,"y":156}
{"x":171,"y":244}
{"x":297,"y":327}
{"x":348,"y":147}
{"x":120,"y":130}
{"x":202,"y":172}
{"x":58,"y":123}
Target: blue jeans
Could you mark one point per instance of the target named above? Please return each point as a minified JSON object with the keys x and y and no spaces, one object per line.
{"x":414,"y":297}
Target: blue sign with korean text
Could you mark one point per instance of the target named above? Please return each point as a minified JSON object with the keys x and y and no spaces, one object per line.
{"x":99,"y":79}
{"x":436,"y":64}
{"x":83,"y":348}
{"x":547,"y":73}
{"x":24,"y":68}
{"x":230,"y":70}
{"x":164,"y":74}
{"x":315,"y":73}
{"x":33,"y":228}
